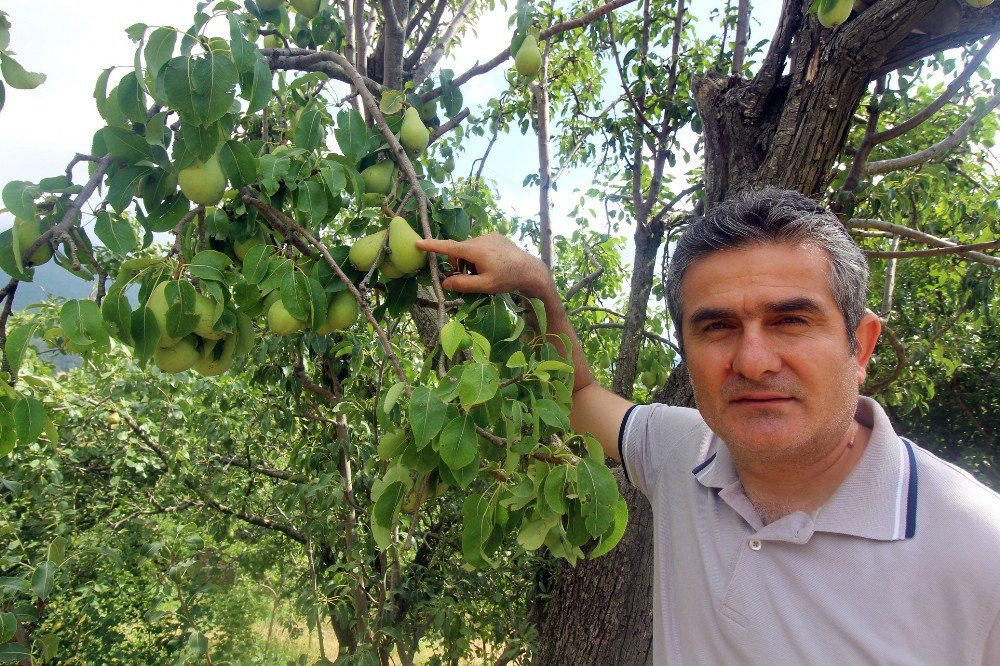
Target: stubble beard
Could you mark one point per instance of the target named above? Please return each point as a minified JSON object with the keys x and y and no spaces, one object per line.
{"x":809,"y":439}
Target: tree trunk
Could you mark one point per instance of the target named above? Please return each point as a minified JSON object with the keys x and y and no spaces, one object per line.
{"x":778,"y":130}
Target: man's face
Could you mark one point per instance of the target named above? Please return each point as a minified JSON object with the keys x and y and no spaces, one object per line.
{"x":767,"y":350}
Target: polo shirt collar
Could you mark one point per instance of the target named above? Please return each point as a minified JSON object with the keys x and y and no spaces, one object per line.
{"x":877,"y":500}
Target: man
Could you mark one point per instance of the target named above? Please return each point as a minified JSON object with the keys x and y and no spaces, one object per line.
{"x":791,"y":524}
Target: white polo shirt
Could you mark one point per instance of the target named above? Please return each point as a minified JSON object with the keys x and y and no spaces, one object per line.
{"x":900,"y":566}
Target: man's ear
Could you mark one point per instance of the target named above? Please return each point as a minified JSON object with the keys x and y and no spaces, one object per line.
{"x":867,"y":334}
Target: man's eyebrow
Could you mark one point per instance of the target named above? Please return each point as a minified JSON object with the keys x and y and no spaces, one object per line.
{"x":802,"y":304}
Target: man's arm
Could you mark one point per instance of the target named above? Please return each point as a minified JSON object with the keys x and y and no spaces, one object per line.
{"x":500,"y":267}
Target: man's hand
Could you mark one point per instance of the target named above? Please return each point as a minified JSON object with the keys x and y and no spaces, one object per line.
{"x":496,"y":266}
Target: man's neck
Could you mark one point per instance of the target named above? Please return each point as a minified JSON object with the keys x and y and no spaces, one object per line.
{"x":779,"y":490}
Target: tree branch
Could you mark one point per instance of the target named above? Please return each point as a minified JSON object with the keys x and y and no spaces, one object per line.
{"x":913,"y":234}
{"x":942,"y":147}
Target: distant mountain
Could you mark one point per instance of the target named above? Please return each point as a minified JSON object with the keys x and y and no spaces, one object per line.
{"x":50,"y":281}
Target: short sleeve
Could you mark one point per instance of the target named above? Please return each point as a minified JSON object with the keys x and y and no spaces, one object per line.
{"x":647,"y":436}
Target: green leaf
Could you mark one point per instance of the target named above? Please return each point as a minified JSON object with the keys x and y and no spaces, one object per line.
{"x":3,"y":95}
{"x":181,"y":316}
{"x":598,"y":494}
{"x":351,"y":134}
{"x":549,"y":366}
{"x":57,"y":550}
{"x":532,"y":533}
{"x":116,"y":233}
{"x":10,"y":258}
{"x":17,"y":76}
{"x":159,"y":47}
{"x":200,"y":140}
{"x":216,"y":260}
{"x":29,"y":419}
{"x":614,"y":535}
{"x":478,"y":385}
{"x":43,"y":580}
{"x":244,"y":52}
{"x":238,"y":163}
{"x":459,"y":442}
{"x":145,"y":334}
{"x":392,"y":396}
{"x":387,"y":506}
{"x":198,"y":643}
{"x":555,"y":489}
{"x":123,"y":186}
{"x":101,"y":92}
{"x":552,"y":414}
{"x":19,"y":198}
{"x":391,"y":102}
{"x":311,"y":199}
{"x":131,"y":98}
{"x":451,"y":337}
{"x":17,"y":345}
{"x":309,"y":130}
{"x":126,"y":146}
{"x":256,"y":263}
{"x":82,"y":322}
{"x":427,"y":415}
{"x":166,"y":215}
{"x":334,"y":177}
{"x":303,"y":297}
{"x":117,"y":314}
{"x":8,"y":626}
{"x":255,"y":86}
{"x":13,"y":652}
{"x":477,"y":527}
{"x":201,"y":88}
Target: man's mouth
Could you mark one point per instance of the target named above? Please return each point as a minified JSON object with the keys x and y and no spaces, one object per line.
{"x":761,"y":399}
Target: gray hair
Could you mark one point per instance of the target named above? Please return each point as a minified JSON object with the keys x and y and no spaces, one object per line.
{"x":774,"y":216}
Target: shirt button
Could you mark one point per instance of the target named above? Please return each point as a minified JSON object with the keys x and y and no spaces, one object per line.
{"x":755,"y":544}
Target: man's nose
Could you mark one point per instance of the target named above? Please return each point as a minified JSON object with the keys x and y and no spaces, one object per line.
{"x":755,"y":357}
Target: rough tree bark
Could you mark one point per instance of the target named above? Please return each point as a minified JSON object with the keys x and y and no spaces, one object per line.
{"x":777,"y":129}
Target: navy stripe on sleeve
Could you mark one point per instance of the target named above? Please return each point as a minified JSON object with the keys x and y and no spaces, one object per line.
{"x":911,"y":495}
{"x":621,"y":440}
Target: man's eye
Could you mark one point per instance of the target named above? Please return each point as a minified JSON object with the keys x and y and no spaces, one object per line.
{"x":792,"y":320}
{"x":716,"y":326}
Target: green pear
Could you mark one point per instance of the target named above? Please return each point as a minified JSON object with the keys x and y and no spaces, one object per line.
{"x":405,"y":255}
{"x":178,"y":357}
{"x":832,"y":13}
{"x":216,"y":356}
{"x":240,"y":248}
{"x":28,"y":232}
{"x":208,"y":310}
{"x":341,"y":314}
{"x":157,"y":303}
{"x":363,"y":252}
{"x":308,"y":8}
{"x":979,"y":3}
{"x":449,"y":164}
{"x":269,"y":5}
{"x":203,"y":182}
{"x":648,"y":379}
{"x":273,"y":42}
{"x":389,"y":271}
{"x":378,"y":177}
{"x":281,"y":321}
{"x":414,"y":135}
{"x":528,"y":59}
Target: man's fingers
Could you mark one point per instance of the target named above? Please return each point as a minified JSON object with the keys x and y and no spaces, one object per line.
{"x":466,"y":284}
{"x":441,"y":246}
